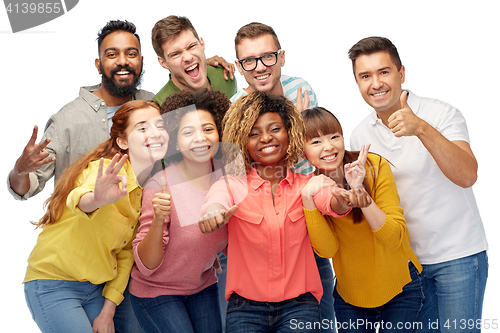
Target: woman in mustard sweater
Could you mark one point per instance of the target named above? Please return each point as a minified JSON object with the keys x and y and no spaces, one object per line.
{"x":378,"y":281}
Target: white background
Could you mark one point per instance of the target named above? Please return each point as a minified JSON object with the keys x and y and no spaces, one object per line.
{"x":450,"y":51}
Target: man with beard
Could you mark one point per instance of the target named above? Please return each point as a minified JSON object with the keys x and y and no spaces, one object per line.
{"x":84,"y":123}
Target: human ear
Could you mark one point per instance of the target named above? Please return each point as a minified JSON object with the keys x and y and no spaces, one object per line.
{"x":163,"y":63}
{"x":123,"y":144}
{"x":97,"y":64}
{"x":402,"y":74}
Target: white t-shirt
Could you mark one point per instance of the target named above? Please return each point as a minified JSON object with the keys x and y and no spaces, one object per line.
{"x":443,"y":219}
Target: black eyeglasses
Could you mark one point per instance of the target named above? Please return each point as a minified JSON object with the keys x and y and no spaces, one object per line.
{"x":268,"y":60}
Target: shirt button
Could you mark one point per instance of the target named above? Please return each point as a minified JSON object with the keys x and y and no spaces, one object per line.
{"x":103,"y":103}
{"x":124,"y":242}
{"x":137,"y":211}
{"x":132,"y":227}
{"x":103,"y":120}
{"x":138,"y":194}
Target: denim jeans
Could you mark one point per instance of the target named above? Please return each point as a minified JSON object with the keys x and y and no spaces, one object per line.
{"x":71,"y":306}
{"x":398,"y":315}
{"x":326,"y":304}
{"x":300,"y":314}
{"x":197,"y":313}
{"x":454,"y":293}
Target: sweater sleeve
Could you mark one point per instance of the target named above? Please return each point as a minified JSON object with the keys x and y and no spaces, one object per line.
{"x":145,"y":221}
{"x":385,"y":195}
{"x":323,"y":237}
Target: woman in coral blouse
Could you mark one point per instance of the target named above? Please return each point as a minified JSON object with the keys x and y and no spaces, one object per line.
{"x":273,"y":283}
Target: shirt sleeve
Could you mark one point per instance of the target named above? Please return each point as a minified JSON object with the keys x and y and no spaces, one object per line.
{"x":452,"y":125}
{"x":227,"y":191}
{"x":321,"y":233}
{"x":113,"y":290}
{"x":86,"y":183}
{"x":322,"y":200}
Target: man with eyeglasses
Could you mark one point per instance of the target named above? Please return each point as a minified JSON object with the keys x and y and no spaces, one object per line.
{"x":260,"y":59}
{"x":182,"y":52}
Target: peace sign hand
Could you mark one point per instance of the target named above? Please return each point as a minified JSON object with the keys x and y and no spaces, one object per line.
{"x":355,"y":172}
{"x":302,"y":103}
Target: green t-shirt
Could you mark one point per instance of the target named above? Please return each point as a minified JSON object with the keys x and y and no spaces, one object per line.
{"x":217,"y":82}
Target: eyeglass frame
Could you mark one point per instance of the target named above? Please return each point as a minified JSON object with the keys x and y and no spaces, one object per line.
{"x":260,"y":58}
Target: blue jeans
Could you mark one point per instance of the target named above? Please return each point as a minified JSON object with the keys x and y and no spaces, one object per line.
{"x":327,"y":301}
{"x":72,"y":306}
{"x":300,"y":314}
{"x":454,"y":293}
{"x":326,"y":304}
{"x":198,"y":313}
{"x":398,"y":315}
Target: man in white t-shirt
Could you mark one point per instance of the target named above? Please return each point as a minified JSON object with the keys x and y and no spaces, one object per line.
{"x":427,"y":142}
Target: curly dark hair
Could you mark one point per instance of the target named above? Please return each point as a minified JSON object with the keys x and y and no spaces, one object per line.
{"x":242,"y":116}
{"x":113,"y":26}
{"x":178,"y":105}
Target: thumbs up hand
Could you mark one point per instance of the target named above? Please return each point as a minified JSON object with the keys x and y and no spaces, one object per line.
{"x":404,"y":122}
{"x":161,"y":203}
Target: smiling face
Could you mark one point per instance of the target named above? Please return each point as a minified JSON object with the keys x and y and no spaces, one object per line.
{"x":120,"y":63}
{"x":379,"y":81}
{"x":184,"y":57}
{"x":325,"y":152}
{"x":262,"y":78}
{"x":147,"y":138}
{"x":268,"y":141}
{"x":197,"y":137}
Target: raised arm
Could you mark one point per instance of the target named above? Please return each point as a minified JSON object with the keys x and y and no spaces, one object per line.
{"x":34,"y":156}
{"x":153,"y":231}
{"x":321,"y":233}
{"x":109,"y":186}
{"x":454,"y":158}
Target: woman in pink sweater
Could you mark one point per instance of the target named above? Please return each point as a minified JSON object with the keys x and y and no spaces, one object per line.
{"x":174,"y":284}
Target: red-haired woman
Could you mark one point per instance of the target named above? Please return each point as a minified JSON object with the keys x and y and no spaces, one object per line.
{"x":81,"y":264}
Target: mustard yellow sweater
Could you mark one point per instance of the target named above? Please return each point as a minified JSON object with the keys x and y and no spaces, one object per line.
{"x":371,"y":265}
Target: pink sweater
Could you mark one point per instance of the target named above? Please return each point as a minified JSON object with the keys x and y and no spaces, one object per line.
{"x":188,"y":254}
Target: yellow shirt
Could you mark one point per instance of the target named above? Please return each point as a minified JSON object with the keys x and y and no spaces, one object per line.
{"x":95,"y":247}
{"x":371,"y":266}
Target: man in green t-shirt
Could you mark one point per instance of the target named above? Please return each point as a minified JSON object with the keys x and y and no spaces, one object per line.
{"x":182,"y":52}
